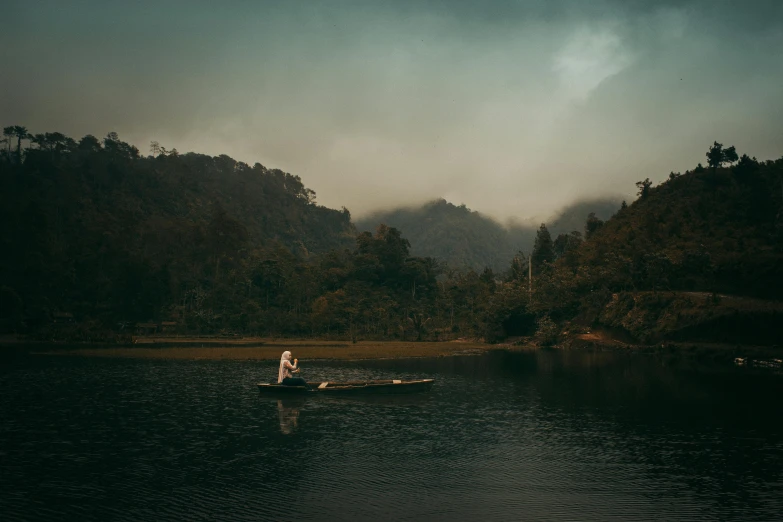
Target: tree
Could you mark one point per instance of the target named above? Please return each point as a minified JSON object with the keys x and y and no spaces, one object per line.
{"x":746,"y":165}
{"x":8,"y":132}
{"x":21,"y":134}
{"x":154,"y":148}
{"x":644,"y":188}
{"x":54,"y":142}
{"x":717,"y":155}
{"x":115,"y":146}
{"x":419,"y":320}
{"x":730,"y":155}
{"x":387,"y":249}
{"x":546,"y":331}
{"x":543,"y":251}
{"x":592,"y":225}
{"x":419,"y":276}
{"x":89,"y":143}
{"x":518,"y":270}
{"x":565,"y":243}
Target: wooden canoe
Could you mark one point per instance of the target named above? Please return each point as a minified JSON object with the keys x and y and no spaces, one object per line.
{"x":381,"y":387}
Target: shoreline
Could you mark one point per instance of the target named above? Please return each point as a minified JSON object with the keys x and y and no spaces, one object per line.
{"x":695,"y":350}
{"x":149,"y":342}
{"x":266,"y":349}
{"x":271,"y":350}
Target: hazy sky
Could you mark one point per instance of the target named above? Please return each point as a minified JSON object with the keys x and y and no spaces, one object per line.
{"x":513,"y":107}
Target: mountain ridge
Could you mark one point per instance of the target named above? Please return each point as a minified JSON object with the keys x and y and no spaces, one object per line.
{"x":465,"y":238}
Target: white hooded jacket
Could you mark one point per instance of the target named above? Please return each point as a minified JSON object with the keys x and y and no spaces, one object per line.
{"x":285,"y":367}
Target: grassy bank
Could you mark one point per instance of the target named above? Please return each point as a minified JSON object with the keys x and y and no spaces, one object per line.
{"x":271,"y":350}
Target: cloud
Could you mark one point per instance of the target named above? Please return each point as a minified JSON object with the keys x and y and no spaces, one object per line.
{"x":515,"y":108}
{"x":590,"y":56}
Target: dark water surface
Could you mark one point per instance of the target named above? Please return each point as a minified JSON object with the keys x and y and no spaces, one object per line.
{"x":505,"y":436}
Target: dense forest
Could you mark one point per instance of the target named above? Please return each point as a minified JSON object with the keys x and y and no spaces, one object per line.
{"x":714,"y":231}
{"x":94,"y":230}
{"x":464,"y":238}
{"x":100,"y":241}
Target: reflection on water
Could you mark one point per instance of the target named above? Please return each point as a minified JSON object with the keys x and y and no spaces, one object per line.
{"x":505,"y":436}
{"x":288,"y":411}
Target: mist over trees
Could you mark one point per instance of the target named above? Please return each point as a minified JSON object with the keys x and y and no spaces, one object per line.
{"x":463,"y":238}
{"x":453,"y":234}
{"x":100,"y":239}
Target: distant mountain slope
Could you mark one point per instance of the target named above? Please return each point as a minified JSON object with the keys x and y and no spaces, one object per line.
{"x":465,"y":238}
{"x":454,"y":234}
{"x":573,"y":216}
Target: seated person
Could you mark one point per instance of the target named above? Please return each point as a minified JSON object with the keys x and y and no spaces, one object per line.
{"x":286,"y":368}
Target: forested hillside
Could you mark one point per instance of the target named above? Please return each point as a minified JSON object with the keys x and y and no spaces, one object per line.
{"x":95,"y":229}
{"x":463,"y":238}
{"x":453,"y":234}
{"x":711,"y":231}
{"x":99,"y":241}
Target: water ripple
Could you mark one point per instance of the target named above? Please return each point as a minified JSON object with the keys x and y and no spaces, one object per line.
{"x":500,"y":437}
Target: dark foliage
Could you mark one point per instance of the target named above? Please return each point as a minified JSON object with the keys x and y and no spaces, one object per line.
{"x":96,"y":230}
{"x":716,"y":231}
{"x":97,"y":238}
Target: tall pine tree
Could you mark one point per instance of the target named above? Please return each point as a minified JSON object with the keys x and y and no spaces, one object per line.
{"x":543,"y":250}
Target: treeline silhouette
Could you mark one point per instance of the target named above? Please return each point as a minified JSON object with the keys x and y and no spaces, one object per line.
{"x":101,"y":240}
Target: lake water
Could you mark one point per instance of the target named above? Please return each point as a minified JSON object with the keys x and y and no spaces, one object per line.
{"x":503,"y":436}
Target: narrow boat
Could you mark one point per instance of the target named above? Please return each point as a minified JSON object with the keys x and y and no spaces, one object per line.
{"x":381,"y":387}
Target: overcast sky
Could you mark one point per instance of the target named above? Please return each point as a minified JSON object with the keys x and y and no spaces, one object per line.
{"x":513,"y":107}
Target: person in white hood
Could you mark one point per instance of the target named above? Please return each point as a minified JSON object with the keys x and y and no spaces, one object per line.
{"x":285,"y":374}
